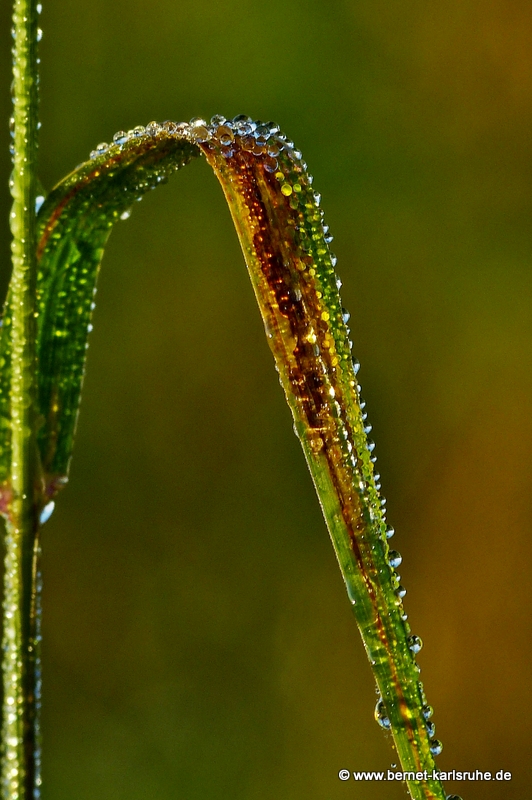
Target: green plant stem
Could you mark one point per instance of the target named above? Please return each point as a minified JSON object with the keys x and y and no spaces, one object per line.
{"x":20,"y":778}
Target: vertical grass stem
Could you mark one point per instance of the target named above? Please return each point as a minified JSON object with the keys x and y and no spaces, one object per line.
{"x":20,"y":773}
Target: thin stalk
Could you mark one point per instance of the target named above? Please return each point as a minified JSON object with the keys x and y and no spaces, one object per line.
{"x":20,"y":772}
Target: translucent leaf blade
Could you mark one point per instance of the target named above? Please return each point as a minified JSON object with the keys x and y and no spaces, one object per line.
{"x":74,"y":224}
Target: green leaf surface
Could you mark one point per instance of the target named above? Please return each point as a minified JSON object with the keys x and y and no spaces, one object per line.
{"x":73,"y":225}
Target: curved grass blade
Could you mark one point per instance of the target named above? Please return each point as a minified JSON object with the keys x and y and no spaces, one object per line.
{"x":286,"y":247}
{"x":74,"y":224}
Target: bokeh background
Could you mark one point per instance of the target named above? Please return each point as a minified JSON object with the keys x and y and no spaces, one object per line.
{"x":197,"y":637}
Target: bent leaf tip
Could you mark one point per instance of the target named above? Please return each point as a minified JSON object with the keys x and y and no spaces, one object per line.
{"x":286,"y":245}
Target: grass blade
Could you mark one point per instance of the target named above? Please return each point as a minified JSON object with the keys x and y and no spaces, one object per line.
{"x":280,"y":226}
{"x":279,"y":222}
{"x":74,"y":224}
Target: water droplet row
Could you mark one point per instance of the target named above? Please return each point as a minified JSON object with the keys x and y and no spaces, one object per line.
{"x":151,"y":130}
{"x":285,"y":162}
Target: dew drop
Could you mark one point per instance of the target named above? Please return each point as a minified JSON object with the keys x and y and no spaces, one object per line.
{"x":39,"y":200}
{"x":394,"y":559}
{"x":286,"y":189}
{"x":120,"y":137}
{"x":380,"y":715}
{"x":414,"y":643}
{"x":245,"y":129}
{"x":436,"y":747}
{"x":356,"y":367}
{"x":244,"y":125}
{"x":39,"y":34}
{"x":315,"y":442}
{"x":225,"y":135}
{"x":400,"y":591}
{"x":453,"y":797}
{"x":427,"y":711}
{"x":263,"y":131}
{"x":126,"y":214}
{"x":47,"y":512}
{"x":39,"y":8}
{"x":333,"y":259}
{"x":201,"y":133}
{"x":270,"y":164}
{"x":389,"y":531}
{"x":248,"y":143}
{"x":431,"y":729}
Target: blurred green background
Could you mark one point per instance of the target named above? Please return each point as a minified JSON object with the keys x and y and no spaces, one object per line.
{"x":197,"y":637}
